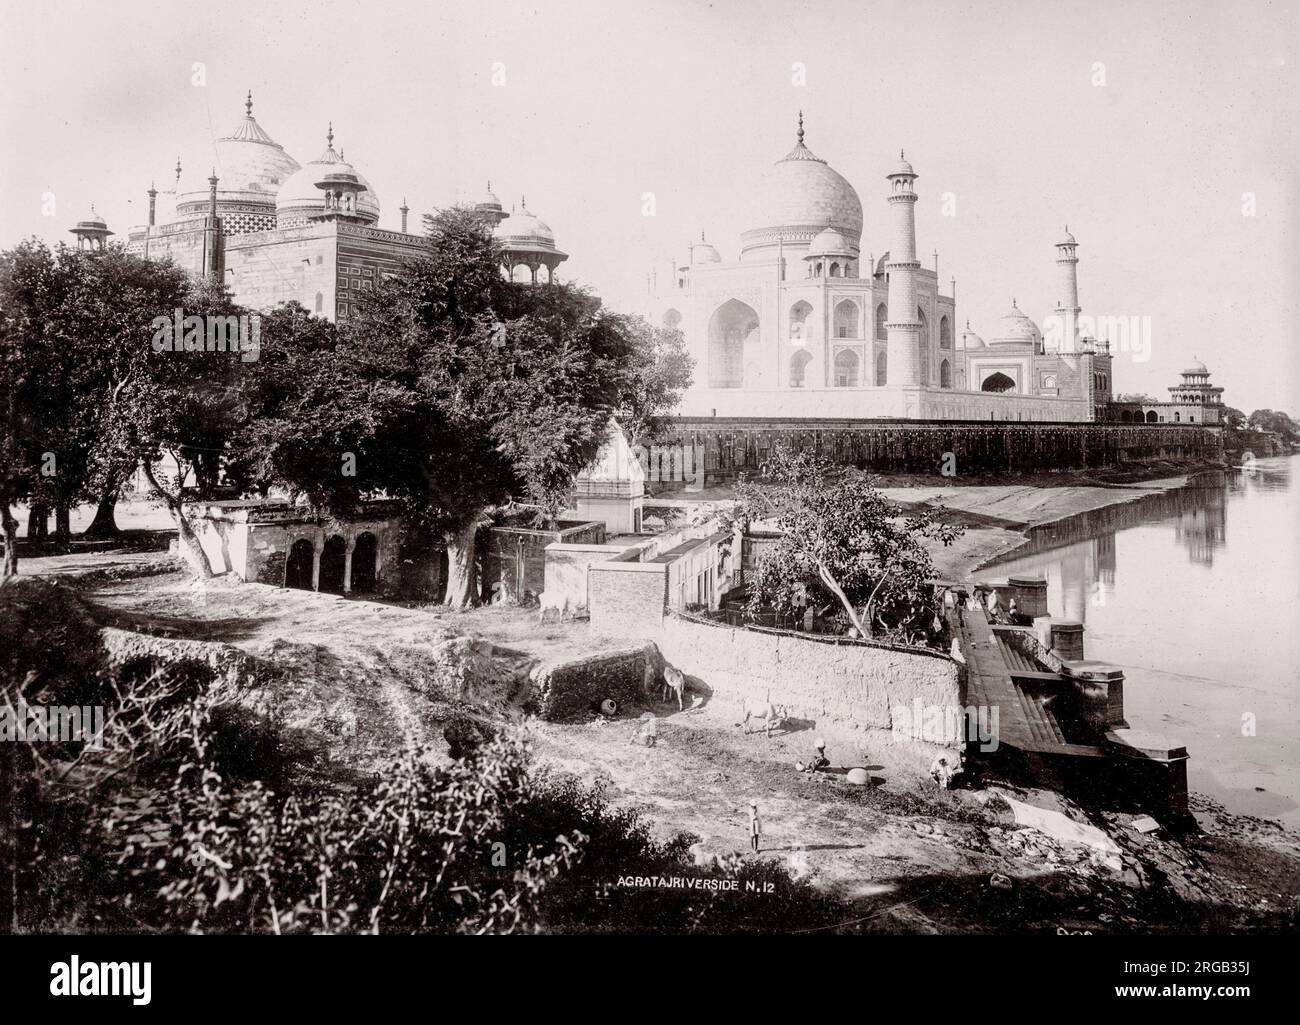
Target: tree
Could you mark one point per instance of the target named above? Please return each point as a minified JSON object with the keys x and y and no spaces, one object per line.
{"x":661,"y":372}
{"x":456,"y":392}
{"x":842,"y":541}
{"x":1234,"y":419}
{"x":1277,"y":422}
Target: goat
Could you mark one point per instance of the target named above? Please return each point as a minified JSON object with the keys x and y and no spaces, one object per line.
{"x":674,"y":683}
{"x":771,"y":715}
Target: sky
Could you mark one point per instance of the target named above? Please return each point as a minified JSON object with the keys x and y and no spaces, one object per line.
{"x":1166,"y":135}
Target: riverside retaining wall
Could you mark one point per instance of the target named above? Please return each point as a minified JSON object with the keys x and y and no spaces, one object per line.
{"x":854,"y":683}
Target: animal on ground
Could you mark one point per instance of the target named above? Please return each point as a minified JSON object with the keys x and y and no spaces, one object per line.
{"x":767,"y":715}
{"x":552,"y":601}
{"x":674,"y":683}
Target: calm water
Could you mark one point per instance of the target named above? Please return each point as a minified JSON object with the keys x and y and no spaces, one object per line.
{"x":1196,"y":594}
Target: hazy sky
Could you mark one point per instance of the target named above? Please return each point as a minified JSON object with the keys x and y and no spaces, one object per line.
{"x":998,"y":104}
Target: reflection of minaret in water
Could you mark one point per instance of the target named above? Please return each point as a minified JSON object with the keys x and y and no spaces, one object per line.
{"x":1201,"y":528}
{"x":1075,"y":581}
{"x":1105,"y":549}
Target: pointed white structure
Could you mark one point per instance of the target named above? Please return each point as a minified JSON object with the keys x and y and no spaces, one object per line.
{"x":612,"y":488}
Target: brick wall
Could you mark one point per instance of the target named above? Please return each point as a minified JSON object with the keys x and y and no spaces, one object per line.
{"x":563,"y":690}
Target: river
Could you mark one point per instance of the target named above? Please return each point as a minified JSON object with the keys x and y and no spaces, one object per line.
{"x":1195,"y":593}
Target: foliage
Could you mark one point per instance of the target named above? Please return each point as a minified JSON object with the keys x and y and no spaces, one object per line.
{"x":842,"y":542}
{"x":1277,"y":422}
{"x":661,"y":372}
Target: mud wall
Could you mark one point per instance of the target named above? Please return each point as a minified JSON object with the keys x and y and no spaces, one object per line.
{"x":852,"y":683}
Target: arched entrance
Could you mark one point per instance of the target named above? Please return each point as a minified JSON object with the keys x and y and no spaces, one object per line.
{"x":364,"y":556}
{"x":297,"y":567}
{"x":846,"y":369}
{"x":331,"y":565}
{"x":732,"y":324}
{"x":1153,"y":417}
{"x":998,"y":382}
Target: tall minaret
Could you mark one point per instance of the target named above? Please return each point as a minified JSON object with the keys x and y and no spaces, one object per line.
{"x":1067,"y":290}
{"x":903,"y":329}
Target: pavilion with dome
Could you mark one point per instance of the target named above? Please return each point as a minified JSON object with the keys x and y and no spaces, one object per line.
{"x":803,"y":324}
{"x":276,"y":230}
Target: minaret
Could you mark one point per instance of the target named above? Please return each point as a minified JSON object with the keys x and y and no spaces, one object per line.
{"x":153,"y":201}
{"x":405,"y":210}
{"x":903,"y":329}
{"x":1067,"y":288}
{"x":212,"y":232}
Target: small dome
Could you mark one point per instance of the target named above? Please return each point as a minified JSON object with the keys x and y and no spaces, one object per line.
{"x":968,"y":339}
{"x":487,"y":201}
{"x":300,"y":198}
{"x":92,"y":220}
{"x":703,"y":252}
{"x":1017,"y":329}
{"x":829,"y":242}
{"x":1068,"y":240}
{"x":525,"y":232}
{"x":1197,"y":368}
{"x":903,"y":167}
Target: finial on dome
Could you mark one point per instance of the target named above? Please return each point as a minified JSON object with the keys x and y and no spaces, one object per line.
{"x":523,"y":203}
{"x":799,"y":133}
{"x":341,"y":156}
{"x":701,"y":236}
{"x":489,"y":184}
{"x":329,"y":135}
{"x":178,"y":170}
{"x":901,"y":156}
{"x":248,"y":104}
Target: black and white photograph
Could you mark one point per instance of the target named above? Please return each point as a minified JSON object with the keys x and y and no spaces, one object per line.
{"x":662,"y":469}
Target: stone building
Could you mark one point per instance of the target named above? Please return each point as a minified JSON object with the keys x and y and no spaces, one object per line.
{"x":1194,"y":401}
{"x":275,"y":230}
{"x":801,"y":325}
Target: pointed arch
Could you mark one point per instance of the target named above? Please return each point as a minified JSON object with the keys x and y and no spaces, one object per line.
{"x":799,"y":367}
{"x":846,"y":319}
{"x":998,"y":382}
{"x":799,"y":314}
{"x":945,"y":374}
{"x":945,"y":332}
{"x":846,"y":369}
{"x":882,"y":317}
{"x":731,"y":326}
{"x":882,"y":367}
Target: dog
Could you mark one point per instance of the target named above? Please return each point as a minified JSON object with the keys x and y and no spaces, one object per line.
{"x":674,"y":683}
{"x":769,"y":714}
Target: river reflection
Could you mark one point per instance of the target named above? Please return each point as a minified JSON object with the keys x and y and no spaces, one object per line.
{"x":1196,"y":594}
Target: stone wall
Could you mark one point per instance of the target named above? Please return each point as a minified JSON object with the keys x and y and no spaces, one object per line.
{"x":735,"y":444}
{"x":854,"y":683}
{"x":564,"y":690}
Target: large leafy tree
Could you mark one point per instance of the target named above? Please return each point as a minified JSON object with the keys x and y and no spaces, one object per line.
{"x":842,"y":542}
{"x":662,"y":371}
{"x":453,"y":390}
{"x":1277,"y":422}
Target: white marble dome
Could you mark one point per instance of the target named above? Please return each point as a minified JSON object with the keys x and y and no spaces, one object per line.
{"x":829,"y":242}
{"x":968,"y":339}
{"x":1016,"y":329}
{"x":704,"y":252}
{"x":250,"y":166}
{"x":300,"y":198}
{"x":798,"y":197}
{"x":523,"y":232}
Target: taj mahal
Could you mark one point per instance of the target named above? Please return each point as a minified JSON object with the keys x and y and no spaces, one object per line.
{"x":801,"y":326}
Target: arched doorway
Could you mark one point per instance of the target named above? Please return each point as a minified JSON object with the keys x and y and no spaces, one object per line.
{"x":799,"y":314}
{"x":331,"y":565}
{"x":364,"y":557}
{"x":798,"y":367}
{"x":732,"y":324}
{"x":945,"y":333}
{"x":846,"y":369}
{"x":882,"y":367}
{"x":1152,"y":417}
{"x":882,"y":315}
{"x":846,"y":319}
{"x":297,"y":567}
{"x":998,"y":382}
{"x":945,"y":375}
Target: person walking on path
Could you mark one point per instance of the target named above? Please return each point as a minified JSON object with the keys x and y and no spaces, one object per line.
{"x":755,"y":826}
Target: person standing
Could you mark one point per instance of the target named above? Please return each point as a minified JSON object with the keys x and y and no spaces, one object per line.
{"x":755,"y":826}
